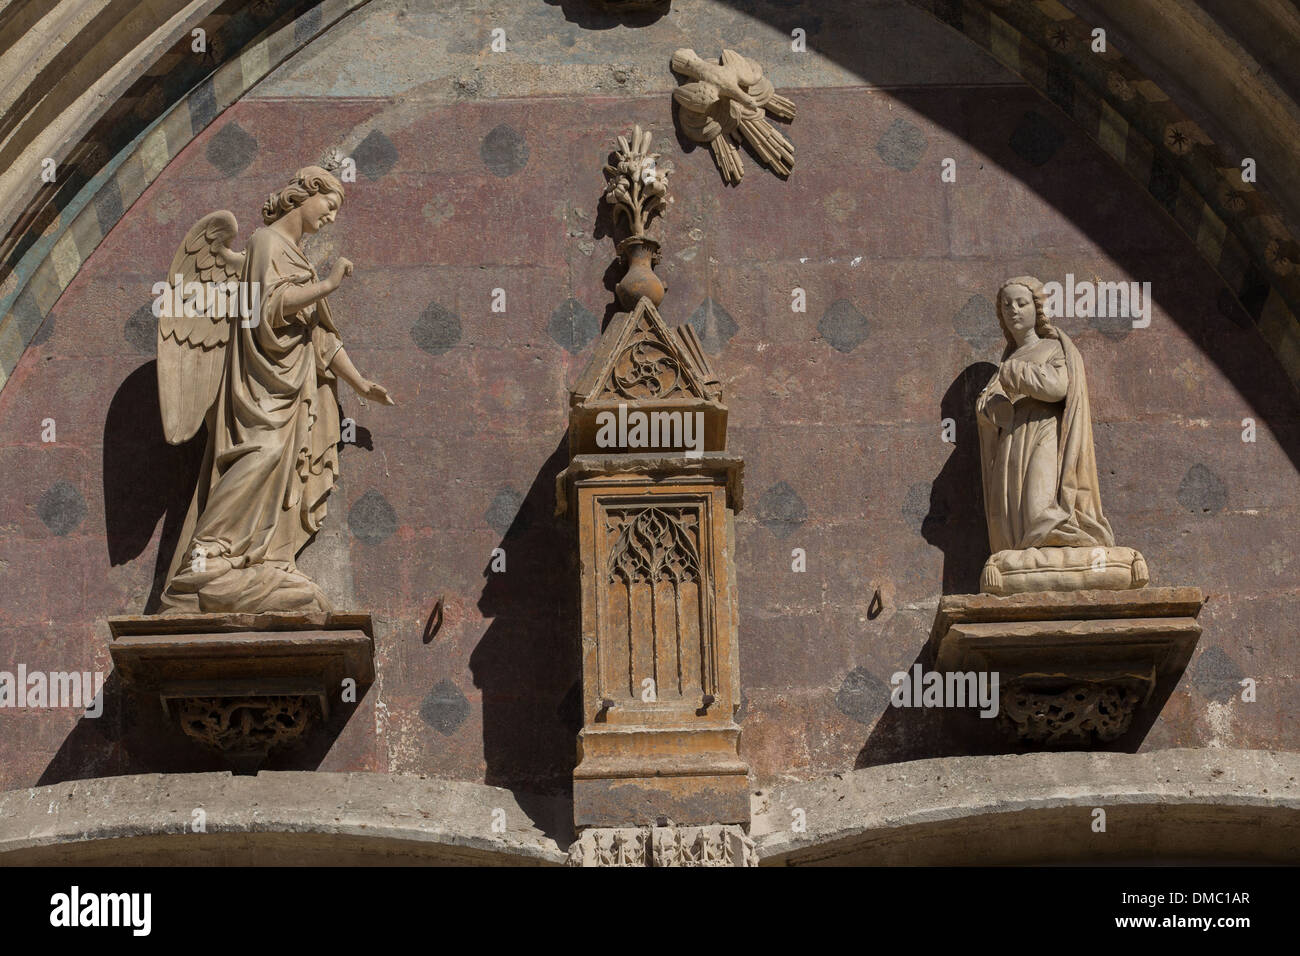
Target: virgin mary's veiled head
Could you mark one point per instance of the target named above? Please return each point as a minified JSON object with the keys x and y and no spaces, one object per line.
{"x":1042,"y":324}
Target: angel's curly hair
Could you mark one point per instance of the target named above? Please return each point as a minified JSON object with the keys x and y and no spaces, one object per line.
{"x":1042,"y":321}
{"x":308,"y":181}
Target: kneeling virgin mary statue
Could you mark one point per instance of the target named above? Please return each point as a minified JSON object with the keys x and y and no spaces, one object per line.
{"x":262,"y":376}
{"x":1046,"y":528}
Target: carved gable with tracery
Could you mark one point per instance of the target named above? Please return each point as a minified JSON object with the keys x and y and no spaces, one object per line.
{"x":638,"y":358}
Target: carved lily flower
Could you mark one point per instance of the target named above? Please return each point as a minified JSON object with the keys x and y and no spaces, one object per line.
{"x":637,"y":186}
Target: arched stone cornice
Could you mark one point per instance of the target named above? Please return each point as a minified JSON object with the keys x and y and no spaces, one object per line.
{"x":1189,"y":806}
{"x":1204,"y":806}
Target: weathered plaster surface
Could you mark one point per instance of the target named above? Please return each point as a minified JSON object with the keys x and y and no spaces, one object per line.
{"x":837,"y":410}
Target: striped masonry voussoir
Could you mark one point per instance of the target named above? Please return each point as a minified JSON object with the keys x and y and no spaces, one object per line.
{"x":51,"y":267}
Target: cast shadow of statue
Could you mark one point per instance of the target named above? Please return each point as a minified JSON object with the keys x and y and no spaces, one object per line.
{"x":133,"y":735}
{"x":955,"y":525}
{"x":145,"y":479}
{"x":605,"y":227}
{"x":955,"y":522}
{"x":919,"y":733}
{"x":527,"y":664}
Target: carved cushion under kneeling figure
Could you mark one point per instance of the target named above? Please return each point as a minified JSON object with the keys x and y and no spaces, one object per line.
{"x":1042,"y":501}
{"x":1064,"y":569}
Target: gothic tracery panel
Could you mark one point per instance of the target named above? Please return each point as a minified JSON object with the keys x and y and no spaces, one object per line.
{"x":654,"y":604}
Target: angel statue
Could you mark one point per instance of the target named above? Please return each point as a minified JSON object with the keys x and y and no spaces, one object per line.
{"x":264,"y":383}
{"x":1041,"y":493}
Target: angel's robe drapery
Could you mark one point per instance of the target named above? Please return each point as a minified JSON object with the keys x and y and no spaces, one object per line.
{"x":271,"y":456}
{"x":1040,"y":473}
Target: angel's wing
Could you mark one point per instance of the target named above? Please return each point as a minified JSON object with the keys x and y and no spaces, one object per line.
{"x":192,"y":348}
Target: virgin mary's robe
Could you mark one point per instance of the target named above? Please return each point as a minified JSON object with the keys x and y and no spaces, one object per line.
{"x":1040,"y":473}
{"x":271,"y":457}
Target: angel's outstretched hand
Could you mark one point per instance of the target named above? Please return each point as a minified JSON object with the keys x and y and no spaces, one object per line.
{"x":376,"y":392}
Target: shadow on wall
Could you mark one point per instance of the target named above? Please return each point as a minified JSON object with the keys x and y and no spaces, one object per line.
{"x":955,"y":523}
{"x":527,"y":664}
{"x":613,"y":13}
{"x":1042,"y":148}
{"x":134,"y":736}
{"x":919,"y":733}
{"x":145,"y":479}
{"x":912,"y":733}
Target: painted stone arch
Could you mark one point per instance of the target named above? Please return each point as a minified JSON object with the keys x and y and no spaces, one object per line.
{"x":477,"y":178}
{"x":1237,"y":228}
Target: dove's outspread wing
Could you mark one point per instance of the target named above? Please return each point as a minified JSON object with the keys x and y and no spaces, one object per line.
{"x":725,"y":102}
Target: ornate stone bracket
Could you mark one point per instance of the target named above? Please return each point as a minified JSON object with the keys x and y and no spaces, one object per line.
{"x":1079,"y":669}
{"x":1062,"y":712}
{"x":245,"y":684}
{"x":720,"y":845}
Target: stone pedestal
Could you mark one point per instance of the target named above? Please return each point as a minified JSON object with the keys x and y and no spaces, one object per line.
{"x":661,"y":685}
{"x":1075,"y":669}
{"x":245,"y":684}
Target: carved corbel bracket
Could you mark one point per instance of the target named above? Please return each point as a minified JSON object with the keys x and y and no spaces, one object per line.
{"x":1075,"y":669}
{"x":244,"y":685}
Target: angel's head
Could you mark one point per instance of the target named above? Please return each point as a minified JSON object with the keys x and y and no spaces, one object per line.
{"x":1021,"y":307}
{"x":314,"y":196}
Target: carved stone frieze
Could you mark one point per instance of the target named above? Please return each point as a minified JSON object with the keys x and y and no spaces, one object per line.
{"x":246,"y":725}
{"x":611,"y":846}
{"x":717,"y":845}
{"x":1084,"y":712}
{"x":703,"y":846}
